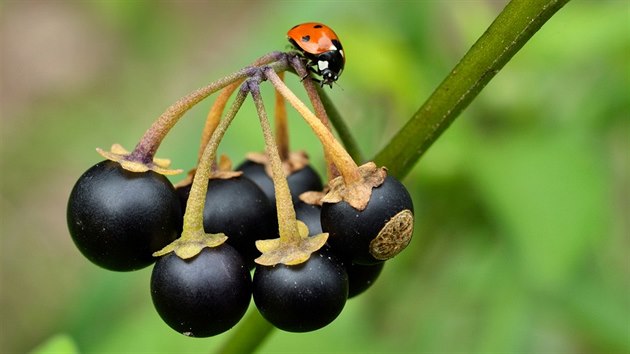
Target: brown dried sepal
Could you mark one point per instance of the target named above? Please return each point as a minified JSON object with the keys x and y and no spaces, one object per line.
{"x":191,"y":243}
{"x":290,"y":252}
{"x":118,"y":154}
{"x":312,"y":197}
{"x":187,"y":181}
{"x":224,"y":169}
{"x":357,"y":193}
{"x":296,"y":161}
{"x":393,"y":237}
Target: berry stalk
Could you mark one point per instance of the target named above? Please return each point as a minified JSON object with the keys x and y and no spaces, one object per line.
{"x":311,"y":90}
{"x":318,"y":106}
{"x":341,"y":128}
{"x":152,"y":138}
{"x":145,"y":150}
{"x":294,"y":246}
{"x":282,"y":127}
{"x":193,"y":217}
{"x":340,"y":157}
{"x":286,"y":214}
{"x":194,"y":238}
{"x":214,"y":115}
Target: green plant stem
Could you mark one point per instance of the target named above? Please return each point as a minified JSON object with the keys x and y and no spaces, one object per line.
{"x":248,"y":335}
{"x":514,"y":26}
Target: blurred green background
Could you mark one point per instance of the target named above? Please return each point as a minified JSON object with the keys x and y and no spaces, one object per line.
{"x":522,"y":206}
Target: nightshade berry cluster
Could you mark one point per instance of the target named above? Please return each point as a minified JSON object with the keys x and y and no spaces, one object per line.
{"x":310,"y":245}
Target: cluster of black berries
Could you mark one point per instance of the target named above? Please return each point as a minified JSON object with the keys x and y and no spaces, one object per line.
{"x":310,"y":250}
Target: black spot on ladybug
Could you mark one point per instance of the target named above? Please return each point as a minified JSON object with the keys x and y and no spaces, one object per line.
{"x":317,"y":26}
{"x":306,"y":38}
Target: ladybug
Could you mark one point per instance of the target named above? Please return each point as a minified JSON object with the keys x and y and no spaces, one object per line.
{"x":322,"y":49}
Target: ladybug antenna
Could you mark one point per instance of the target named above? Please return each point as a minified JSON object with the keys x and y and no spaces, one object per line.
{"x":337,"y":83}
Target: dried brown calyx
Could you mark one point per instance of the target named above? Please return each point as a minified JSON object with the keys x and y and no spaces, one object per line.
{"x":356,"y":193}
{"x":295,"y":161}
{"x":118,"y":154}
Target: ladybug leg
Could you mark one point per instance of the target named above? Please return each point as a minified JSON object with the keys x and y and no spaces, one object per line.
{"x":307,"y":76}
{"x":312,"y":68}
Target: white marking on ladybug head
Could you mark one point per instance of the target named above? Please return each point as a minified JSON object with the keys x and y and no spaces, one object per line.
{"x":332,"y":47}
{"x":322,"y":65}
{"x":341,"y":52}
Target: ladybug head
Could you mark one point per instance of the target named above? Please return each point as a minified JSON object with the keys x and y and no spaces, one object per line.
{"x":328,"y":77}
{"x":329,"y":66}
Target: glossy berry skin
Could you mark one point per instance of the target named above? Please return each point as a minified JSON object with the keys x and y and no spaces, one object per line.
{"x":351,"y":231}
{"x":239,"y":209}
{"x":303,"y":297}
{"x":310,"y":215}
{"x":202,"y":296}
{"x":118,"y":218}
{"x":303,"y":180}
{"x":320,"y":45}
{"x":362,"y":277}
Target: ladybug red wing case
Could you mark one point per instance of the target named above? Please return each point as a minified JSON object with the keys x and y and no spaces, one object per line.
{"x":314,"y":38}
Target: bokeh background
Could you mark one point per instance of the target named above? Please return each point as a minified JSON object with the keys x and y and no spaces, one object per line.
{"x":522,"y":237}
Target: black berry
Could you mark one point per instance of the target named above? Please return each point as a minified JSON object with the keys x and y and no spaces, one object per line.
{"x":303,"y":297}
{"x":118,"y":218}
{"x":376,"y":233}
{"x":361,"y":277}
{"x":202,"y":296}
{"x":300,"y":181}
{"x":309,"y":214}
{"x":239,"y":209}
